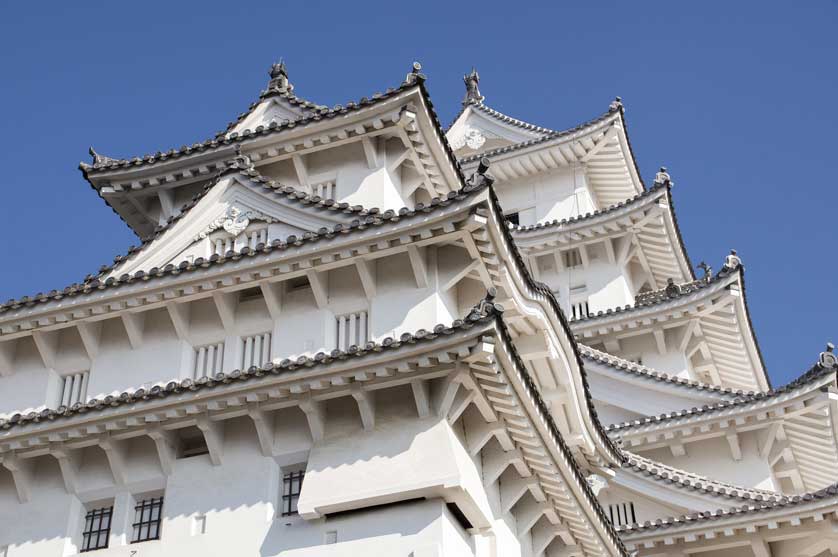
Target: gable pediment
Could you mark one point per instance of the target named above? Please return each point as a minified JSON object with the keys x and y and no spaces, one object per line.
{"x":235,"y":212}
{"x":476,"y":131}
{"x":272,"y":109}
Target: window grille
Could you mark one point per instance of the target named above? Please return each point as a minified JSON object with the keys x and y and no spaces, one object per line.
{"x":256,"y":237}
{"x":256,"y":350}
{"x":208,"y":360}
{"x":292,"y":484}
{"x":352,"y":329}
{"x":74,"y":388}
{"x":325,"y":190}
{"x":97,"y":529}
{"x":223,"y":245}
{"x":572,"y":258}
{"x":580,"y":310}
{"x":147,"y":517}
{"x":622,"y":514}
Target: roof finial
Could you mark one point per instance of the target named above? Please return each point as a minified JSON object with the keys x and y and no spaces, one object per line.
{"x":708,"y":271}
{"x":279,"y":77}
{"x":99,"y":160}
{"x":662,"y":178}
{"x":828,"y":358}
{"x":616,"y":104}
{"x":472,"y":91}
{"x":732,"y":261}
{"x":480,"y":178}
{"x":415,"y":74}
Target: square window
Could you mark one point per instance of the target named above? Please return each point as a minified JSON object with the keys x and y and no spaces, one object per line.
{"x":97,"y":529}
{"x":292,"y":484}
{"x":147,"y":518}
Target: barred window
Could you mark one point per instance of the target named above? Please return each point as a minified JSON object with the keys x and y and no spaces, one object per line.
{"x":622,"y":514}
{"x":292,"y":483}
{"x":97,"y":529}
{"x":147,"y":518}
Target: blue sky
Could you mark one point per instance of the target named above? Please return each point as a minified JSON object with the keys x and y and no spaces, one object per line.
{"x":738,"y":99}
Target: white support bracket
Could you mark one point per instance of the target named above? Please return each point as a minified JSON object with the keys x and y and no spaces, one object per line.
{"x":167,"y":444}
{"x":133,"y":323}
{"x":316,"y":418}
{"x":366,"y":406}
{"x":265,"y":429}
{"x":21,"y":475}
{"x":68,"y":464}
{"x":214,"y":438}
{"x":116,"y":455}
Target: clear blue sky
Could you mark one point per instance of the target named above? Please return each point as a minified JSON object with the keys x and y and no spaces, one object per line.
{"x":738,"y":99}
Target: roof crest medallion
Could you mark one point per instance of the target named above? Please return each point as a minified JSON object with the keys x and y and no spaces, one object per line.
{"x":234,"y":221}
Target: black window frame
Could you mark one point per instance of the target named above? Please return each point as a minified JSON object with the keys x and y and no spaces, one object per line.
{"x":96,"y":517}
{"x":290,"y":495}
{"x":144,"y":517}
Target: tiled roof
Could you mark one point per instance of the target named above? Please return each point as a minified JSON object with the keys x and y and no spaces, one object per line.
{"x":489,"y":310}
{"x":501,"y":117}
{"x":694,"y":286}
{"x":825,"y":494}
{"x":316,"y":114}
{"x":485,"y":312}
{"x":371,"y":219}
{"x":632,"y":368}
{"x":815,"y":373}
{"x":695,"y":482}
{"x":242,"y":166}
{"x":549,"y":137}
{"x":93,"y":283}
{"x":647,"y":195}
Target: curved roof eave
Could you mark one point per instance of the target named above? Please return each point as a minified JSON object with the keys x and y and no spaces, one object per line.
{"x":558,"y":137}
{"x":637,"y":370}
{"x":809,"y":380}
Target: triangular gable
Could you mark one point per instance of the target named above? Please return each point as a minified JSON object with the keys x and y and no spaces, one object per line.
{"x":478,"y":129}
{"x":272,"y":109}
{"x":235,"y":212}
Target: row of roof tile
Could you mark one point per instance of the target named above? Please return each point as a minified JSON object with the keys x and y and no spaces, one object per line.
{"x":639,"y":370}
{"x":826,"y":493}
{"x":815,"y":373}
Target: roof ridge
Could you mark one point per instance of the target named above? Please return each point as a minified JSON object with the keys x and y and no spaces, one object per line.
{"x":596,"y":213}
{"x":555,"y":135}
{"x":689,"y":480}
{"x":761,"y":506}
{"x":817,"y":371}
{"x":92,"y":283}
{"x":102,"y":163}
{"x":627,"y":366}
{"x":500,"y":116}
{"x":241,"y":165}
{"x":694,"y":286}
{"x":481,"y":313}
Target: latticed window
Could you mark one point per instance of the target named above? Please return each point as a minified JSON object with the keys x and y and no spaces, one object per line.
{"x":292,"y":483}
{"x":97,"y":529}
{"x":208,"y":360}
{"x":580,"y":310}
{"x":622,"y":514}
{"x":148,"y":514}
{"x":256,"y":350}
{"x":352,"y":329}
{"x":73,"y":389}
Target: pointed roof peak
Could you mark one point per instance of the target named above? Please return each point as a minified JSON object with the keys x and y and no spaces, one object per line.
{"x":279,"y":77}
{"x":472,"y":80}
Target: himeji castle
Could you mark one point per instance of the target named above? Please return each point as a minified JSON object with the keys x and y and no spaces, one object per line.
{"x":351,"y":331}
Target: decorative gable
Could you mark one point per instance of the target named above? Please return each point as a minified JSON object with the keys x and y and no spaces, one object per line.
{"x":236,"y":212}
{"x":479,"y":129}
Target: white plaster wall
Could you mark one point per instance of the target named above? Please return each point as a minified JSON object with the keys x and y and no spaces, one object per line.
{"x":712,"y":458}
{"x":560,"y":194}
